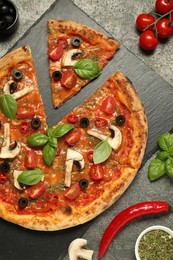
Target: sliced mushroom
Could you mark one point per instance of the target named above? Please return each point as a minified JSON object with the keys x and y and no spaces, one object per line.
{"x":76,"y":251}
{"x":8,"y":151}
{"x":71,"y":157}
{"x":15,"y":176}
{"x":114,"y":142}
{"x":17,"y":94}
{"x":69,"y":57}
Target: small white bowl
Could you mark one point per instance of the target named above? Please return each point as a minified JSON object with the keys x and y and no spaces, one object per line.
{"x":168,"y":230}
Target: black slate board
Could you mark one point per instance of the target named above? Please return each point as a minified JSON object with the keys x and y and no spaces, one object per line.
{"x":156,"y":95}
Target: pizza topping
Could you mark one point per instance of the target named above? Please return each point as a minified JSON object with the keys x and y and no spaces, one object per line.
{"x":97,"y":172}
{"x":72,"y":192}
{"x":10,"y":87}
{"x":56,"y":75}
{"x":55,"y":52}
{"x":24,"y":127}
{"x":6,"y":152}
{"x":13,"y":87}
{"x":37,"y":190}
{"x":100,"y":122}
{"x":63,"y":41}
{"x":23,"y":92}
{"x":8,"y":105}
{"x":71,"y":157}
{"x":76,"y":250}
{"x":30,"y":159}
{"x":83,"y":183}
{"x":68,"y":79}
{"x":30,"y":177}
{"x":51,"y":197}
{"x":84,"y":122}
{"x":73,"y":137}
{"x":25,"y":113}
{"x":69,"y":58}
{"x":87,"y":69}
{"x":35,"y":123}
{"x":4,"y":167}
{"x":16,"y":174}
{"x":108,"y":105}
{"x":23,"y":203}
{"x":120,"y":120}
{"x":90,"y":156}
{"x":3,"y":178}
{"x":76,"y":41}
{"x":72,"y":118}
{"x":102,"y":151}
{"x":17,"y":75}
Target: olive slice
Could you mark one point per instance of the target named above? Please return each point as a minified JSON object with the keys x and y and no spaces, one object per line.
{"x":4,"y":167}
{"x":84,"y":122}
{"x":76,"y":41}
{"x":17,"y":75}
{"x":35,"y":123}
{"x":13,"y":87}
{"x":23,"y":203}
{"x":83,"y":183}
{"x":4,"y":9}
{"x":56,"y":75}
{"x":120,"y":120}
{"x":3,"y":25}
{"x":9,"y":19}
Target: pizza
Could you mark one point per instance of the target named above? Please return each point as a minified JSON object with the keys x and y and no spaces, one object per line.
{"x":77,"y":54}
{"x":59,"y":177}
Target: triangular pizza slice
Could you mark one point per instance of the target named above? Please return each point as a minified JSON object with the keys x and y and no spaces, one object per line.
{"x":77,"y":54}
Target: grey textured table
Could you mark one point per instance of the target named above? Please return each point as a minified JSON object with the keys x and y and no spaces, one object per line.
{"x":147,"y":81}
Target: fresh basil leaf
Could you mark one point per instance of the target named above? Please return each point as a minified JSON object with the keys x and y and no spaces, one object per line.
{"x":50,"y":132}
{"x":61,"y":130}
{"x":102,"y":151}
{"x":169,"y":167}
{"x":30,"y":177}
{"x":162,"y":155}
{"x":156,"y":169}
{"x":53,"y":142}
{"x":87,"y":69}
{"x":49,"y":153}
{"x":165,"y":142}
{"x":8,"y":106}
{"x":37,"y":139}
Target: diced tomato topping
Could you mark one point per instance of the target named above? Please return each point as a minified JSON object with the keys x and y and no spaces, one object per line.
{"x":72,"y":192}
{"x":90,"y":156}
{"x":100,"y":122}
{"x":37,"y":190}
{"x":3,"y":177}
{"x":73,"y":137}
{"x":97,"y":172}
{"x":25,"y":114}
{"x":72,"y":118}
{"x":63,"y":41}
{"x":108,"y":105}
{"x":31,"y":159}
{"x":68,"y":79}
{"x":24,"y":127}
{"x":51,"y":197}
{"x":55,"y":52}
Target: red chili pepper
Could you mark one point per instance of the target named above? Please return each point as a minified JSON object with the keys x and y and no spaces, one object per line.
{"x":3,"y":178}
{"x":126,"y":216}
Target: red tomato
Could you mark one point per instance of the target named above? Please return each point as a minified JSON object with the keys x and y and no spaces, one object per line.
{"x":68,"y":79}
{"x":163,"y":6}
{"x":63,"y":41}
{"x":108,"y":105}
{"x":25,"y":113}
{"x":148,"y":41}
{"x":31,"y":159}
{"x":72,"y":192}
{"x":3,"y":177}
{"x":90,"y":156}
{"x":172,"y":21}
{"x":164,"y":30}
{"x":35,"y":191}
{"x":97,"y":172}
{"x":100,"y":122}
{"x":55,"y":52}
{"x":143,"y":20}
{"x":72,"y":118}
{"x":73,"y":137}
{"x":51,"y":197}
{"x":24,"y":127}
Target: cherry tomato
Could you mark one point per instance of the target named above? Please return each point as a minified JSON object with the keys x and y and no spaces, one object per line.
{"x":108,"y":105}
{"x":72,"y":192}
{"x":97,"y":172}
{"x":25,"y":113}
{"x":24,"y":127}
{"x":55,"y":52}
{"x":73,"y":137}
{"x":90,"y":156}
{"x":51,"y":197}
{"x":172,"y":21}
{"x":72,"y":118}
{"x":148,"y":41}
{"x":63,"y":41}
{"x":163,"y":29}
{"x":100,"y":122}
{"x":31,"y":159}
{"x":37,"y":190}
{"x":3,"y":177}
{"x":143,"y":20}
{"x":68,"y":79}
{"x":163,"y":6}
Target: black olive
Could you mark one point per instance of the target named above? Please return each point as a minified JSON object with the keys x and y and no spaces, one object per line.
{"x":76,"y":41}
{"x":9,"y":19}
{"x":56,"y":75}
{"x":3,"y":25}
{"x":12,"y":11}
{"x":1,"y":2}
{"x":120,"y":120}
{"x":35,"y":122}
{"x":23,"y":203}
{"x":84,"y":122}
{"x":4,"y":167}
{"x":13,"y":87}
{"x":4,"y":9}
{"x":17,"y":74}
{"x":83,"y":183}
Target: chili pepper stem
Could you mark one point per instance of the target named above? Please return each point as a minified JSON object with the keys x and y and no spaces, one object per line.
{"x":170,"y":208}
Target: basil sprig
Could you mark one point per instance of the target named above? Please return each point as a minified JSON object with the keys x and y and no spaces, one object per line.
{"x":30,"y":177}
{"x":49,"y":141}
{"x":102,"y":151}
{"x":163,"y":163}
{"x":87,"y":69}
{"x":8,"y":106}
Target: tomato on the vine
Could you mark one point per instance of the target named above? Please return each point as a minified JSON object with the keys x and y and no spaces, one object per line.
{"x":148,"y":41}
{"x":144,"y":20}
{"x":163,"y":6}
{"x":164,"y":30}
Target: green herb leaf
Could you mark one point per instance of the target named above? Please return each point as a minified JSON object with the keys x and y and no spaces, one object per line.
{"x":53,"y":142}
{"x":30,"y":177}
{"x":162,"y":155}
{"x":156,"y":169}
{"x":165,"y":142}
{"x":49,"y":153}
{"x":87,"y":69}
{"x":61,"y":130}
{"x":50,"y":132}
{"x":102,"y":151}
{"x":169,"y":167}
{"x":37,"y":139}
{"x":8,"y":106}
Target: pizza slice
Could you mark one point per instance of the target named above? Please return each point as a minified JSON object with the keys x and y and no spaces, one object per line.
{"x":77,"y":54}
